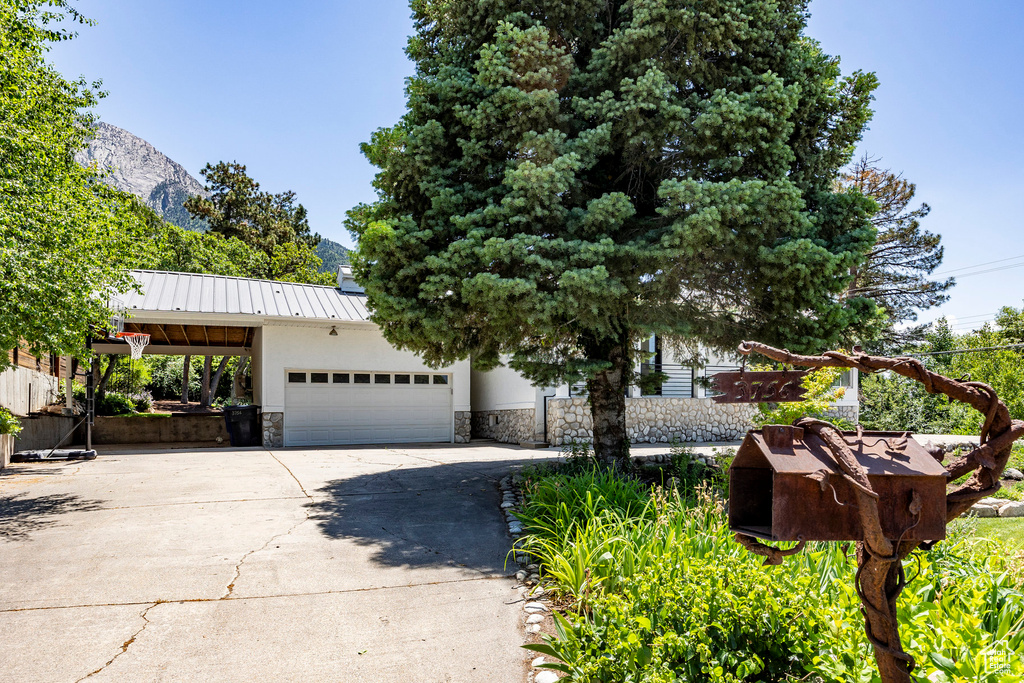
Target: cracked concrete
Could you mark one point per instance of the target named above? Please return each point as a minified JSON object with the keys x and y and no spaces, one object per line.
{"x":292,"y":565}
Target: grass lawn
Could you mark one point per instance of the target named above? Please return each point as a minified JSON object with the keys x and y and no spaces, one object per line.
{"x":1009,"y":531}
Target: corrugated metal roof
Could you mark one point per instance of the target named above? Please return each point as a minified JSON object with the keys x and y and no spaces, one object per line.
{"x":166,"y":292}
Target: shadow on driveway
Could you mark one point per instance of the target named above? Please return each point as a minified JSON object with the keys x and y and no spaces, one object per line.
{"x":422,"y":516}
{"x":20,"y":514}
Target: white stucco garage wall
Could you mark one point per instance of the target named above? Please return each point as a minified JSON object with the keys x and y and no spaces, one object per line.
{"x":502,"y":389}
{"x":358,"y":346}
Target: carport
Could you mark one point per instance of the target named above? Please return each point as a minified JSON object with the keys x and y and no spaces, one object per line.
{"x":321,"y":370}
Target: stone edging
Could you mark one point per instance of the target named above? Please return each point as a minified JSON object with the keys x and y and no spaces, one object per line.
{"x":997,"y":507}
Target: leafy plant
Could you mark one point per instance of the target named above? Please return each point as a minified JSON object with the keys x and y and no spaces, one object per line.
{"x":822,"y":391}
{"x":9,"y":424}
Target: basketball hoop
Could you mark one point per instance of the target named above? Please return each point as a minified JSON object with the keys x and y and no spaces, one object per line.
{"x":136,"y":340}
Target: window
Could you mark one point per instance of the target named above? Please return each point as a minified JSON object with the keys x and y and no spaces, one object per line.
{"x":422,"y":379}
{"x":297,"y":377}
{"x":382,"y":379}
{"x":440,"y":379}
{"x":402,"y":379}
{"x":341,"y":378}
{"x":318,"y":377}
{"x":361,"y":378}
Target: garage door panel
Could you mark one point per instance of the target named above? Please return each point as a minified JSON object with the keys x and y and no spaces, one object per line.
{"x":339,"y":413}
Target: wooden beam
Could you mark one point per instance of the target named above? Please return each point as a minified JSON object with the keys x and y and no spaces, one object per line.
{"x":188,"y":342}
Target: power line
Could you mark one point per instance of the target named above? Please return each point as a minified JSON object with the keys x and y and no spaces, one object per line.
{"x":990,"y":270}
{"x":979,"y":265}
{"x":984,"y":348}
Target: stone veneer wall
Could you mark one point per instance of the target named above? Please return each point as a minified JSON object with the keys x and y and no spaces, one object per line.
{"x":463,"y":426}
{"x":273,"y":430}
{"x":850,"y":413}
{"x":654,"y":420}
{"x":513,"y":426}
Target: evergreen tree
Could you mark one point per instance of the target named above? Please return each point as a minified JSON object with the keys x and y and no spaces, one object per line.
{"x":571,"y":177}
{"x":272,"y":223}
{"x":896,"y":272}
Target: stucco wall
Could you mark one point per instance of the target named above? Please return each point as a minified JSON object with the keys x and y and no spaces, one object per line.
{"x":502,"y":389}
{"x":355,"y":348}
{"x":18,"y":384}
{"x":506,"y":426}
{"x":654,"y":420}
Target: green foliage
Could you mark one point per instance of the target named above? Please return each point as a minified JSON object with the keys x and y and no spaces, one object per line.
{"x":564,"y":171}
{"x":895,"y":274}
{"x":115,"y":403}
{"x":822,"y":391}
{"x":331,"y":255}
{"x":8,"y":422}
{"x":170,"y":198}
{"x":272,"y":225}
{"x":893,"y":402}
{"x":664,"y":593}
{"x":66,"y":239}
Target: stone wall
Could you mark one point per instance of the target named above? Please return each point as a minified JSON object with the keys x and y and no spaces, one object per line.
{"x":654,"y":420}
{"x":273,"y":430}
{"x":849,"y":413}
{"x":463,"y":426}
{"x":506,"y":426}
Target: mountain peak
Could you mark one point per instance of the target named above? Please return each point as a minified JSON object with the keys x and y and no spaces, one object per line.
{"x":132,"y":165}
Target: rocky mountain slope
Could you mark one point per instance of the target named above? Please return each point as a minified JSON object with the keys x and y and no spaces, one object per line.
{"x":133,"y":165}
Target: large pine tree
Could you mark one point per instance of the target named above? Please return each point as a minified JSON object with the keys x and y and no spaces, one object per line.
{"x":571,"y":177}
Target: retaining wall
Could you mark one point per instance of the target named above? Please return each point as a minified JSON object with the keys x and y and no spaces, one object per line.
{"x":159,"y":428}
{"x":44,"y":431}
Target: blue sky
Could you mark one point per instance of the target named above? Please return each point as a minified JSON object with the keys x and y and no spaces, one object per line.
{"x":291,"y":89}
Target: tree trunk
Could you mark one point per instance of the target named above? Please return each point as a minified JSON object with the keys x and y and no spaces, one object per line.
{"x":184,"y":379}
{"x":237,"y":386}
{"x":204,"y":390}
{"x":212,"y":392}
{"x":101,"y":386}
{"x":607,"y":392}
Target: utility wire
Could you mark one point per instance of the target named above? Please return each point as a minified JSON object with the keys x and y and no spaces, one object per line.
{"x":978,"y":350}
{"x":979,"y":265}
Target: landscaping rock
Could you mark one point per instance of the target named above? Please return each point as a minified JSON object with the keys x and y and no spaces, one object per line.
{"x":991,"y":502}
{"x":535,"y":607}
{"x":538,"y":661}
{"x":533,"y":628}
{"x":535,"y":618}
{"x":984,"y":511}
{"x":1013,"y":474}
{"x":522,"y":575}
{"x":1012,"y":509}
{"x":546,"y":677}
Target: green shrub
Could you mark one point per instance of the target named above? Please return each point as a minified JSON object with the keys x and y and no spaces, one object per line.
{"x":661,"y":592}
{"x":115,"y":403}
{"x":8,"y":423}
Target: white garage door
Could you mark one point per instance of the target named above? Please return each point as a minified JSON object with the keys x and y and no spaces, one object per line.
{"x":324,"y":408}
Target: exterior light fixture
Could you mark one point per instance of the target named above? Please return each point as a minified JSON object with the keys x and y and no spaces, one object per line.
{"x":333,"y":332}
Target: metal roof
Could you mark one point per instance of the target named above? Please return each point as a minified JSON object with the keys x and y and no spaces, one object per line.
{"x":880,"y":453}
{"x":193,"y":293}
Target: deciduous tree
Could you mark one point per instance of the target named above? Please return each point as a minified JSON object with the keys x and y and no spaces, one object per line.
{"x":571,"y":177}
{"x":66,"y":239}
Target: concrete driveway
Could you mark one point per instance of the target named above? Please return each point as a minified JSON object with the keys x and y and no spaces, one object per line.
{"x":356,"y":564}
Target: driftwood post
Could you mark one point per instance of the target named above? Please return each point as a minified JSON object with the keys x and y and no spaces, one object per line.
{"x":880,"y":578}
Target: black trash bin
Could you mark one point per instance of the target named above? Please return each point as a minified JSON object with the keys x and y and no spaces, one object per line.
{"x":243,"y":423}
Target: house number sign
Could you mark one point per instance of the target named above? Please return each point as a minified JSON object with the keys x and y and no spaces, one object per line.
{"x":759,"y":387}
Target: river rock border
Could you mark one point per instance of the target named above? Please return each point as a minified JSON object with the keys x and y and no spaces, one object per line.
{"x":997,"y":507}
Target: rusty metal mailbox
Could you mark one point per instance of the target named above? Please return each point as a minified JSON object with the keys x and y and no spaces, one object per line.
{"x":784,"y":485}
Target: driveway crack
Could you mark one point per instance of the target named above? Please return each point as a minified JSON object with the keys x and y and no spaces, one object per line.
{"x":126,"y":644}
{"x":305,"y":510}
